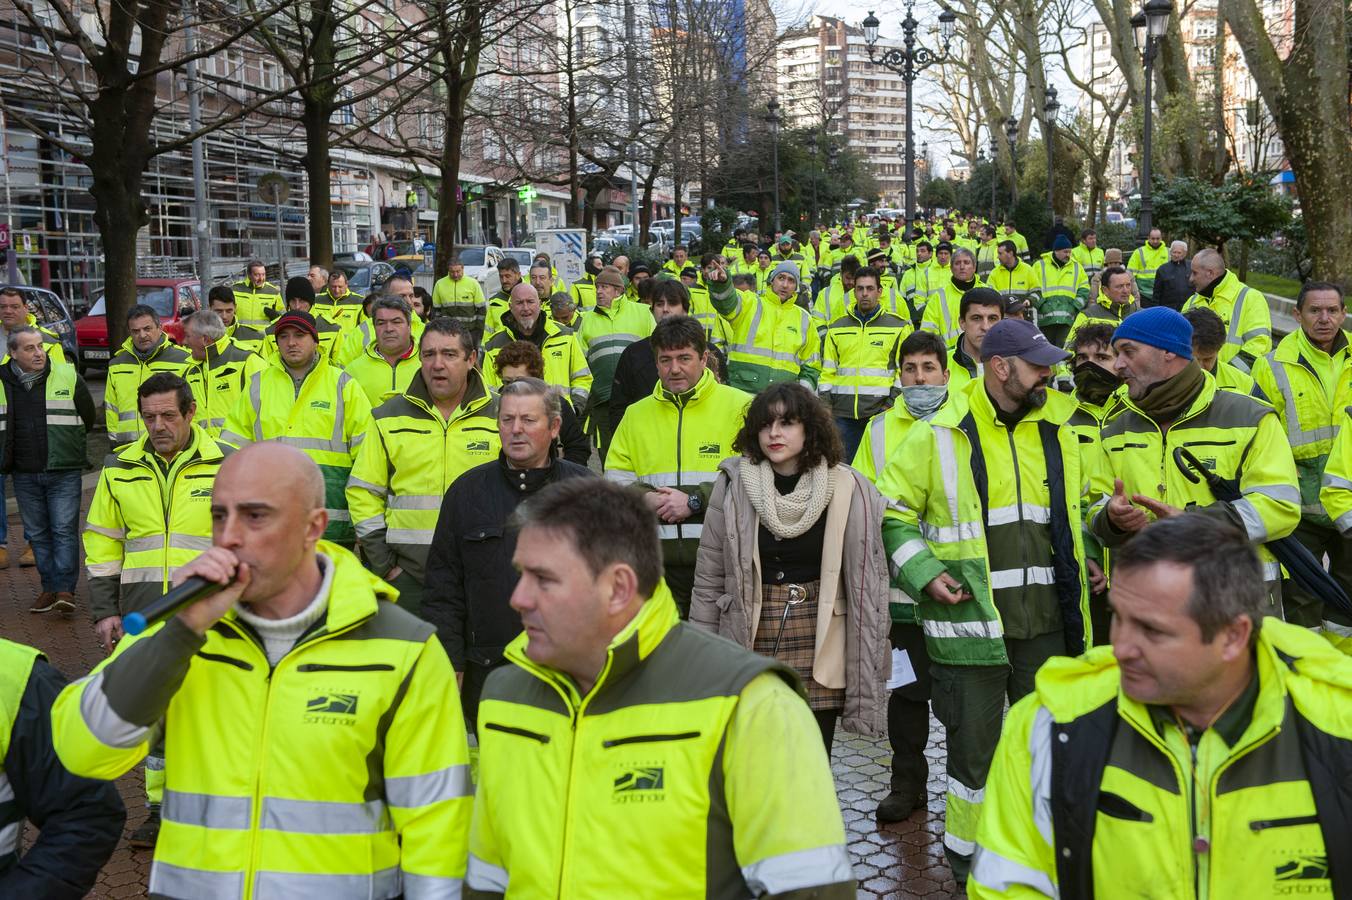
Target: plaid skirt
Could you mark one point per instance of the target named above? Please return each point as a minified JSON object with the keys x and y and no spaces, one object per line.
{"x":798,"y":642}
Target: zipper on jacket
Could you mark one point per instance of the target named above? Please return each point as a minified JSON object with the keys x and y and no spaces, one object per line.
{"x":572,"y":754}
{"x":680,"y":419}
{"x":520,"y":732}
{"x":230,"y":660}
{"x":1018,"y":506}
{"x":649,"y":739}
{"x":1288,"y":822}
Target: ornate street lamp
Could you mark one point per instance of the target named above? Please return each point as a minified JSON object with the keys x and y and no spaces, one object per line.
{"x":1012,"y":135}
{"x":773,"y":119}
{"x":1149,"y":26}
{"x":1050,"y":110}
{"x":908,"y":61}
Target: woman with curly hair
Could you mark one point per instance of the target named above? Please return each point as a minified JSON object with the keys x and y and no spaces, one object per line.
{"x":522,"y":359}
{"x":791,"y":561}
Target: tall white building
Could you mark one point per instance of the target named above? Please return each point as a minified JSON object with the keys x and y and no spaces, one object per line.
{"x":826,"y":81}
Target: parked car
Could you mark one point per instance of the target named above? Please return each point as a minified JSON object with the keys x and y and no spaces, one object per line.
{"x":173,"y":299}
{"x":364,"y":277}
{"x":51,"y":313}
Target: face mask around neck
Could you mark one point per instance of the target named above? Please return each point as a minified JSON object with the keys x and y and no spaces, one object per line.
{"x":923,"y":400}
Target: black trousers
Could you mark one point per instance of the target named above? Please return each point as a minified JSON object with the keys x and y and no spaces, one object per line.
{"x":908,"y":714}
{"x":472,"y":689}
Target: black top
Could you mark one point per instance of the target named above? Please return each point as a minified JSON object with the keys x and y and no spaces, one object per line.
{"x":791,"y":560}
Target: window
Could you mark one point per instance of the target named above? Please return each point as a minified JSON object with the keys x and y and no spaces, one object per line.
{"x":272,"y":75}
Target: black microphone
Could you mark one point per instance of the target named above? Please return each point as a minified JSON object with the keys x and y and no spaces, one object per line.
{"x":187,"y":593}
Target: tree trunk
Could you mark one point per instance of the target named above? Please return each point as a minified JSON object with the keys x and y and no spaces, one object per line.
{"x":319,"y":181}
{"x":1308,"y":93}
{"x":448,"y":207}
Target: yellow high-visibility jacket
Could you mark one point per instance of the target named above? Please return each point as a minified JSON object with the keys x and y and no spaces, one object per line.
{"x":408,"y":461}
{"x":144,"y":521}
{"x":342,"y":771}
{"x":326,"y":418}
{"x":684,"y":743}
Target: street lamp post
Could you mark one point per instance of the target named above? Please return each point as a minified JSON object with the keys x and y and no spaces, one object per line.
{"x":1153,"y":19}
{"x":995,"y":157}
{"x":1012,"y":135}
{"x":908,"y":61}
{"x":832,"y":155}
{"x":773,"y":119}
{"x":1050,"y":109}
{"x":812,"y":148}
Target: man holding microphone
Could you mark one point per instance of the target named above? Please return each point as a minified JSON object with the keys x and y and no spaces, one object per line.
{"x":312,"y":747}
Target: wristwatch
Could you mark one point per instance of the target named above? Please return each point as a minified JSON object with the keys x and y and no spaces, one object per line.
{"x":695,"y":503}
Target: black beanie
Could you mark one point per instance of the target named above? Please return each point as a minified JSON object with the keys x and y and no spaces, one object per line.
{"x":300,"y":288}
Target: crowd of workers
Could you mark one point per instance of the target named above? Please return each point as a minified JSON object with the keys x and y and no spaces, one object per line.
{"x":474,"y":552}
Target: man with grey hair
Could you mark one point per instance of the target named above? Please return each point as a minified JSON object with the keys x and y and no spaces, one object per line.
{"x":319,"y":278}
{"x":1248,"y":321}
{"x":1172,"y":280}
{"x":218,"y":370}
{"x":469,"y":566}
{"x":1199,"y":703}
{"x":942,"y":311}
{"x":388,"y":363}
{"x":48,"y":413}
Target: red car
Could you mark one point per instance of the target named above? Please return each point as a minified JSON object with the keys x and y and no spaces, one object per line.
{"x":173,"y":298}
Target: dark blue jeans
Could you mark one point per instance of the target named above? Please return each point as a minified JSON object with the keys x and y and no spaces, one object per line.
{"x":851,"y":433}
{"x":49,"y":504}
{"x":4,"y":518}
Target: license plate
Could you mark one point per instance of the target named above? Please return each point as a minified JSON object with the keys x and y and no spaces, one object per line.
{"x":95,"y":354}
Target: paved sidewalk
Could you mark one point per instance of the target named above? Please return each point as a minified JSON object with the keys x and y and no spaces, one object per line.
{"x":904,"y":860}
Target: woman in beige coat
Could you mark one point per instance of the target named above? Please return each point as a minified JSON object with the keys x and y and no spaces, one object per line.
{"x":791,"y":561}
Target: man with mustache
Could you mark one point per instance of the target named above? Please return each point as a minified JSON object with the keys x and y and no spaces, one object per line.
{"x":985,"y":533}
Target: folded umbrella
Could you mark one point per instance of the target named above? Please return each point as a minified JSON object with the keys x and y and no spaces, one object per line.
{"x":1299,"y":562}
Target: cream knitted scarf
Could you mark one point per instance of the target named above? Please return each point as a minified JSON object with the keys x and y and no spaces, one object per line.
{"x":787,"y":515}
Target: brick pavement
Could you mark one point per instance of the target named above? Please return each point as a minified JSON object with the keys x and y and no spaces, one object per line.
{"x":904,"y":860}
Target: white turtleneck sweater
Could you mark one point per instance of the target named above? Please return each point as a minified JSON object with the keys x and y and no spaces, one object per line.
{"x":280,"y":635}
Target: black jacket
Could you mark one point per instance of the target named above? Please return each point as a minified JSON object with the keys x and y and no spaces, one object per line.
{"x":572,"y":440}
{"x":80,"y":819}
{"x":635,"y":378}
{"x":1172,"y":288}
{"x":469,"y":565}
{"x":25,"y":436}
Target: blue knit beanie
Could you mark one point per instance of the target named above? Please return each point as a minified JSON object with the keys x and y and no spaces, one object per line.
{"x":1158,"y":326}
{"x":1061,"y":242}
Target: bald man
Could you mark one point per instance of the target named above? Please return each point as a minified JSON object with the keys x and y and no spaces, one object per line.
{"x":565,"y":363}
{"x":1248,"y":321}
{"x":311,"y":744}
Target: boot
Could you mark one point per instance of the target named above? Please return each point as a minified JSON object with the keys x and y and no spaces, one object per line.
{"x":64,"y":603}
{"x":144,"y":837}
{"x":4,"y":557}
{"x":26,"y":557}
{"x":46,"y":602}
{"x":899,"y":805}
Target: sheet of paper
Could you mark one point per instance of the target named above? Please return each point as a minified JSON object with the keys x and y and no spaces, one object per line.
{"x":903,"y":673}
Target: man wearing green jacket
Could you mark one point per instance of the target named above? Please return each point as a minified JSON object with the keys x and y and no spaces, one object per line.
{"x":984,"y":530}
{"x":605,"y":331}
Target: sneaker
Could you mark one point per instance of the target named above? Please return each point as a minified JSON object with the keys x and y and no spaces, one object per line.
{"x":64,"y":603}
{"x":144,"y":837}
{"x":899,"y":805}
{"x":46,"y":602}
{"x":26,"y":557}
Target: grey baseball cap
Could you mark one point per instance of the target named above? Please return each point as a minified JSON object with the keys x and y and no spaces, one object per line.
{"x":1021,"y":338}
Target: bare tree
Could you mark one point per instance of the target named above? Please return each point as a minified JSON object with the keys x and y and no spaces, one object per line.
{"x":108,"y":77}
{"x":1302,"y":76}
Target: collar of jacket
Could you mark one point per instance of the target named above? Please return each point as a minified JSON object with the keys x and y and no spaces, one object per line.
{"x":373,"y":350}
{"x":214,"y":350}
{"x":527,"y":481}
{"x":769,"y":296}
{"x":1297,"y":344}
{"x":354,"y":593}
{"x":1057,"y":410}
{"x":1203,"y":400}
{"x":626,"y":651}
{"x":129,"y":347}
{"x":200,"y":446}
{"x":693,"y":395}
{"x":1127,"y":309}
{"x":321,"y":364}
{"x":1225,"y":286}
{"x":476,"y":396}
